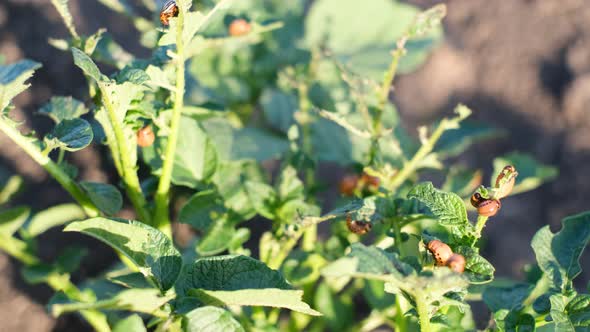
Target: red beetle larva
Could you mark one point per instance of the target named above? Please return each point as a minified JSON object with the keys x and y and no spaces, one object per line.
{"x":239,"y":27}
{"x":358,"y":227}
{"x":169,"y":10}
{"x":456,"y":263}
{"x":489,"y":207}
{"x":145,"y":136}
{"x":441,"y":251}
{"x":476,"y":199}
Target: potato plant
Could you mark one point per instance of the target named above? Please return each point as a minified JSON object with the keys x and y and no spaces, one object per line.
{"x":227,"y":123}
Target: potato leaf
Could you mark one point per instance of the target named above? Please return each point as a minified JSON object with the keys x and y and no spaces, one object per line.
{"x":210,"y":318}
{"x":148,"y":248}
{"x":558,"y":254}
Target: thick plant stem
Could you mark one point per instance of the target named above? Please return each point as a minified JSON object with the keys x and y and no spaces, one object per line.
{"x":422,"y":309}
{"x":52,"y":168}
{"x":161,"y":217}
{"x":128,"y":169}
{"x":410,"y":167}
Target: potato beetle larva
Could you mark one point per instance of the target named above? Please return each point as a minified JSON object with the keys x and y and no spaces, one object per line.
{"x":239,"y":27}
{"x":441,"y":252}
{"x":169,"y":10}
{"x":456,"y":263}
{"x":348,"y":184}
{"x":358,"y":227}
{"x":476,"y":199}
{"x":489,"y":207}
{"x":505,"y":181}
{"x":145,"y":136}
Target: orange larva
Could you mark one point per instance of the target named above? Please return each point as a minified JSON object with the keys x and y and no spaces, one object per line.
{"x":506,"y":188}
{"x":348,"y":184}
{"x":441,"y":251}
{"x":456,"y":263}
{"x":476,"y":199}
{"x":370,"y":182}
{"x":145,"y":136}
{"x":489,"y":207}
{"x":169,"y":10}
{"x":358,"y":227}
{"x":239,"y":27}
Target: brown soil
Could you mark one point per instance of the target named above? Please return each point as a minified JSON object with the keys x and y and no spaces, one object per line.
{"x":523,"y":65}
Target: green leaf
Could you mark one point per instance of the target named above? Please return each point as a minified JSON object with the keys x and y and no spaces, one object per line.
{"x":146,"y":301}
{"x":366,"y":261}
{"x":479,"y":270}
{"x":244,"y":143}
{"x":52,"y":217}
{"x":229,"y":273}
{"x":578,"y":310}
{"x":230,"y":179}
{"x":279,"y":108}
{"x":338,"y":309}
{"x":13,"y":78}
{"x":559,"y":314}
{"x":462,"y":181}
{"x":290,"y":187}
{"x":202,"y":209}
{"x":129,"y":280}
{"x":149,"y":249}
{"x":196,"y":156}
{"x":63,"y":108}
{"x":365,"y":210}
{"x":531,"y":173}
{"x":218,"y":237}
{"x":71,"y":135}
{"x":265,"y":297}
{"x":362,"y":37}
{"x":302,"y":268}
{"x":448,"y":208}
{"x":88,"y":66}
{"x":133,"y":323}
{"x":262,"y":197}
{"x":509,"y":298}
{"x":453,"y":142}
{"x":558,"y":254}
{"x":11,"y":220}
{"x":209,"y":319}
{"x":106,"y":197}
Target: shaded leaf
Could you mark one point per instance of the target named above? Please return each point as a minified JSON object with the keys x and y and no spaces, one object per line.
{"x":63,"y":108}
{"x":106,"y":197}
{"x":151,"y":250}
{"x":71,"y":135}
{"x":208,"y":319}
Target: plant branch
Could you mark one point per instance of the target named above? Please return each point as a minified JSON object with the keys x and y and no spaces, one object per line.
{"x":411,"y":166}
{"x":162,"y":198}
{"x":51,"y":167}
{"x":422,"y":309}
{"x":128,"y":169}
{"x":57,"y":281}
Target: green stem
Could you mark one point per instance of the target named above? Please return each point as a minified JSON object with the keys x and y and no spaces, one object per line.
{"x":17,"y":249}
{"x":398,"y":236}
{"x":481,"y":223}
{"x":162,"y":218}
{"x":58,"y":282}
{"x":383,"y":98}
{"x":276,"y":261}
{"x":310,"y":234}
{"x":411,"y":166}
{"x":128,"y":169}
{"x":422,"y":309}
{"x":52,"y":168}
